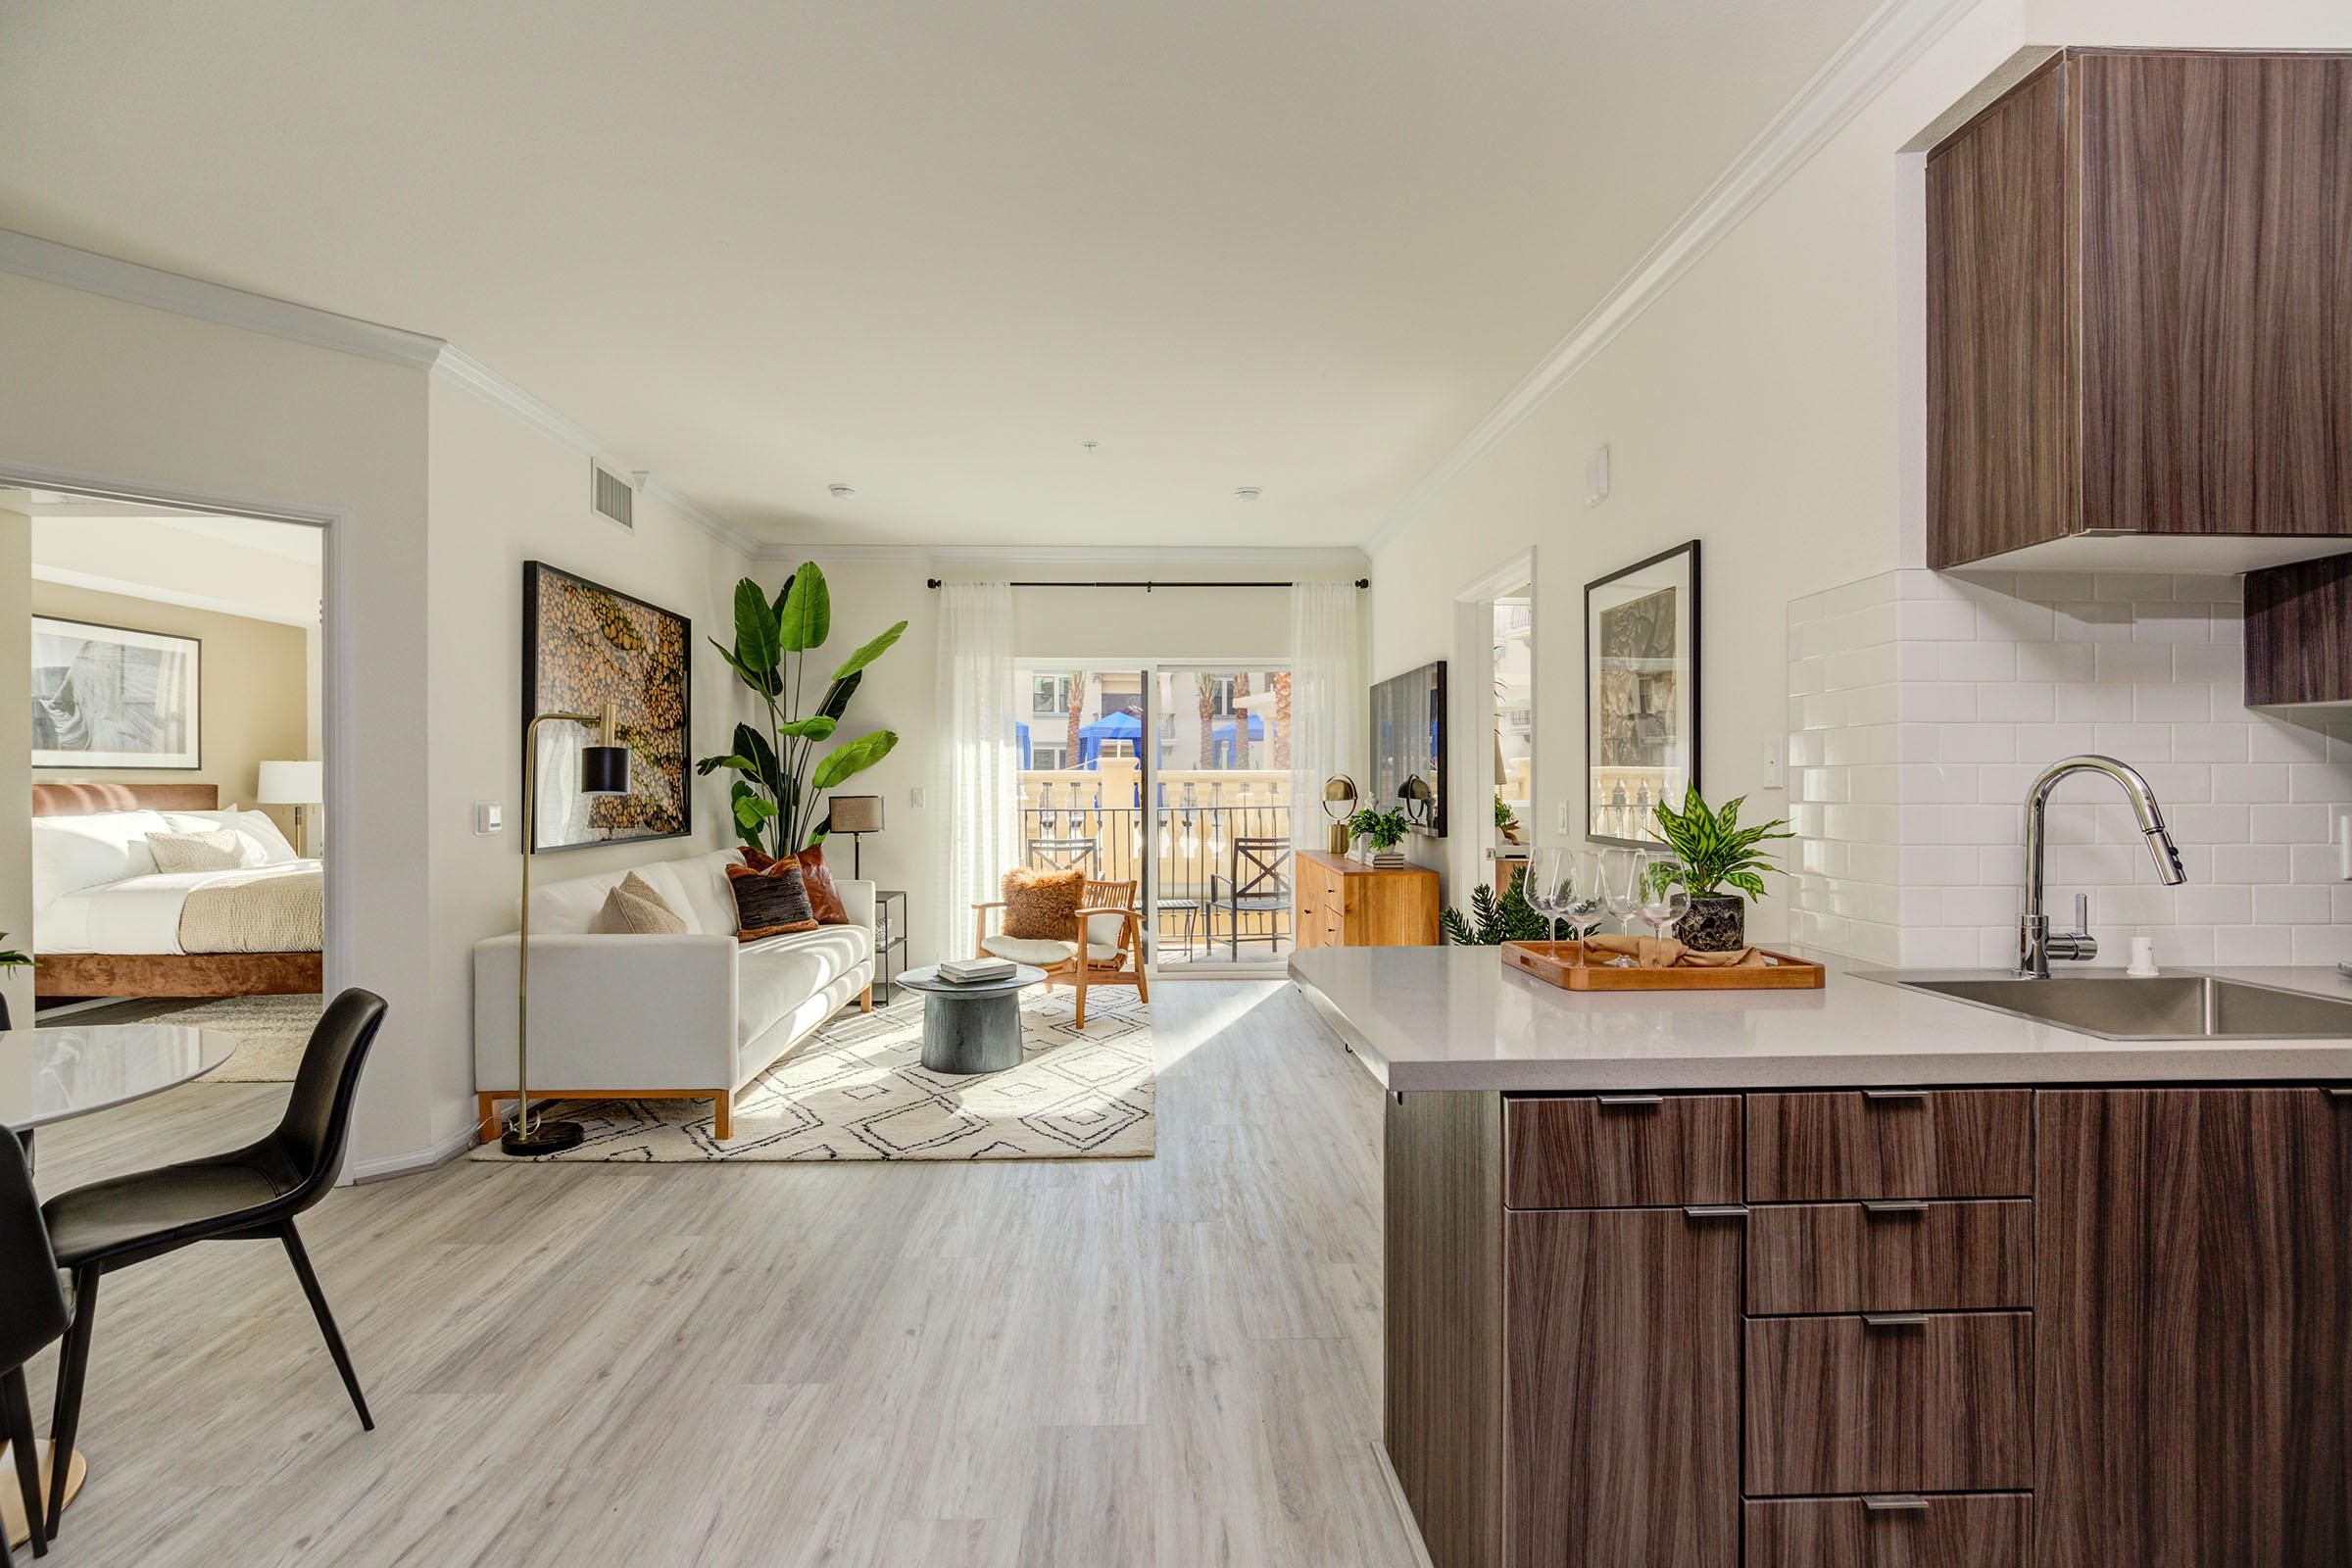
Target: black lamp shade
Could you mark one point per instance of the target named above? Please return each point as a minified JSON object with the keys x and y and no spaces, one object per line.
{"x":604,"y":770}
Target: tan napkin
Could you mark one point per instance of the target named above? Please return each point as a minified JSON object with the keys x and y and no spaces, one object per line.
{"x":1664,"y":952}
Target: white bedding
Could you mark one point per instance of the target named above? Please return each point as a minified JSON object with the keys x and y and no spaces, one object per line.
{"x":137,"y":914}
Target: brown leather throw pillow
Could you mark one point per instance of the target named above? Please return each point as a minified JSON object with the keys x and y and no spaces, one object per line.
{"x":769,"y":902}
{"x":1043,"y":906}
{"x":824,"y":895}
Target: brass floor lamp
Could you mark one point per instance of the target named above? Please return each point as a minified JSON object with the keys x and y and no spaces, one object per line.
{"x":604,"y":770}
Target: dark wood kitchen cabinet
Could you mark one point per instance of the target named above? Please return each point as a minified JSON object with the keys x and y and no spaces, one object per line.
{"x":1954,"y":1328}
{"x":2193,"y":1262}
{"x":2137,"y":324}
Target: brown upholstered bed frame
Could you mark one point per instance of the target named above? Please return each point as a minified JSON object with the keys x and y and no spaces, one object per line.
{"x":62,"y":976}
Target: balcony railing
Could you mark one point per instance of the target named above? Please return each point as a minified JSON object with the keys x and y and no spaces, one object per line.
{"x":1226,"y":828}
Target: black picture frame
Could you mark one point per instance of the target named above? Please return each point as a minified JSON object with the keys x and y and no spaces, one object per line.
{"x":538,"y":697}
{"x":1678,"y":767}
{"x":79,"y":760}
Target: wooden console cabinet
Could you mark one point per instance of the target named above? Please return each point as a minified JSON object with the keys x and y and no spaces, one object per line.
{"x":1347,"y":903}
{"x":1952,"y":1328}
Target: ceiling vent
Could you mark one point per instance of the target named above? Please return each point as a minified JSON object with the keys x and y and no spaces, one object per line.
{"x":611,"y":495}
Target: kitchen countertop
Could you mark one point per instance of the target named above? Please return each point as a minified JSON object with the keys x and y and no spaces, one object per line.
{"x":1424,"y":1018}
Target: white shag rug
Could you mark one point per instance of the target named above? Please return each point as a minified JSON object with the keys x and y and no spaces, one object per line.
{"x":858,"y":1090}
{"x":272,"y":1033}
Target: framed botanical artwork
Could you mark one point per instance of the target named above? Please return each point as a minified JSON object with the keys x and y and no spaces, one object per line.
{"x":1640,"y":694}
{"x":585,"y":644}
{"x":112,"y":697}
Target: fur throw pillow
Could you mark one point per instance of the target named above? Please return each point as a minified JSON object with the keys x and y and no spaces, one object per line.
{"x":634,"y":908}
{"x":1043,"y":906}
{"x":769,"y":902}
{"x":824,"y":897}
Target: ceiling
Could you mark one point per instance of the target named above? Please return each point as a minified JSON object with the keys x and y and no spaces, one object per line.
{"x":928,"y":248}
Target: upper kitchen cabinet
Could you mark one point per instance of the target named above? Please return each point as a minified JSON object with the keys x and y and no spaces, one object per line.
{"x":2139,"y":315}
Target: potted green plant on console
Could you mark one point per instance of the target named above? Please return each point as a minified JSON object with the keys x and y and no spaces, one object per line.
{"x":1382,"y":831}
{"x":1713,"y":852}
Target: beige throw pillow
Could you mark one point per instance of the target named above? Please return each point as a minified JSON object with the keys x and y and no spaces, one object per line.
{"x":633,"y":908}
{"x":219,"y":850}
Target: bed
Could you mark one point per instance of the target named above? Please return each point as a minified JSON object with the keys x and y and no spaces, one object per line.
{"x":107,"y":923}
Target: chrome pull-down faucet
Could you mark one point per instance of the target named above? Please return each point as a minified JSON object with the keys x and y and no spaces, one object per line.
{"x":2037,"y":943}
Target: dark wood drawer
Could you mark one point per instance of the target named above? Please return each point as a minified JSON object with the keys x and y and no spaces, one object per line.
{"x":1621,"y":1150}
{"x":1934,"y":1403}
{"x":1943,"y":1143}
{"x":1984,"y":1530}
{"x":1890,"y":1256}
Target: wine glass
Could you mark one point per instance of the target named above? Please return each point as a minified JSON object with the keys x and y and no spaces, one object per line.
{"x":1587,"y":902}
{"x":1664,"y":899}
{"x":1621,"y":884}
{"x":1544,"y":885}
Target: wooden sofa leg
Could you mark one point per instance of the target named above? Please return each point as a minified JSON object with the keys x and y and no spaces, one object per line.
{"x":865,"y":1000}
{"x":722,"y":1115}
{"x":485,"y":1115}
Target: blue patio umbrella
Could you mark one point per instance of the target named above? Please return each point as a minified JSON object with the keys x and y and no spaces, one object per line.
{"x":1220,"y":737}
{"x":1121,"y":725}
{"x":1020,"y":738}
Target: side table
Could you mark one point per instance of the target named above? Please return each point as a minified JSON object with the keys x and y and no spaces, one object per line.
{"x":890,"y":931}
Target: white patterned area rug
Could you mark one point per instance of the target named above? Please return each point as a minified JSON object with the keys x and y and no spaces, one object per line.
{"x":271,"y":1034}
{"x":859,"y":1090}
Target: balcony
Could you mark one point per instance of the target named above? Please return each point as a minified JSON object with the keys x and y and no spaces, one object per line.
{"x":1212,"y":831}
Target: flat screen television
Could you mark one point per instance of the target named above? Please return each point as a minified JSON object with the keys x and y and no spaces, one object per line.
{"x":1408,"y":743}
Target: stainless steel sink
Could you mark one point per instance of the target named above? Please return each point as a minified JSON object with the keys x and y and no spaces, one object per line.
{"x":2173,"y":1006}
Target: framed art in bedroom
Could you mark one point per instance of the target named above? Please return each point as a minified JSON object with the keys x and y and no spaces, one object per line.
{"x":114,"y":697}
{"x":585,"y":644}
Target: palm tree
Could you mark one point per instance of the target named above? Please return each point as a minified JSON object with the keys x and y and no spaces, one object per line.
{"x":1282,"y":718}
{"x":1208,"y":719}
{"x":1069,"y":751}
{"x":1241,"y":720}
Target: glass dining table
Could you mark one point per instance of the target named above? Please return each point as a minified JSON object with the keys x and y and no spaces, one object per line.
{"x":56,"y":1075}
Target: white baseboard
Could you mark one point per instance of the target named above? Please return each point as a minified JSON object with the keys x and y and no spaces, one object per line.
{"x":387,"y":1167}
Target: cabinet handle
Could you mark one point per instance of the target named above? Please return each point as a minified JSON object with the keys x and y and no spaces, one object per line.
{"x":1893,"y":1205}
{"x":1715,"y":1210}
{"x":1894,"y":1320}
{"x":1895,"y":1503}
{"x":1895,"y":1096}
{"x":1630,"y":1102}
{"x":2340,"y":1092}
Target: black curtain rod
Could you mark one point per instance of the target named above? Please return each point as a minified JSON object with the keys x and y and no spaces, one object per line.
{"x":1148,"y":585}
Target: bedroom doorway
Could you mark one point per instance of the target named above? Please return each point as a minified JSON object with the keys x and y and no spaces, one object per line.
{"x":176,"y":754}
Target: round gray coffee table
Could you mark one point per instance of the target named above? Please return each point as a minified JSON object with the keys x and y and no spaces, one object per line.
{"x":971,"y":1028}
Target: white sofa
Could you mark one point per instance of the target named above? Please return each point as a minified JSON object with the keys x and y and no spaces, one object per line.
{"x":696,"y":1015}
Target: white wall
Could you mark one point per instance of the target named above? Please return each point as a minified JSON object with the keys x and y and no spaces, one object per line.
{"x":15,"y":760}
{"x":1766,"y":403}
{"x":501,"y":493}
{"x":98,"y":386}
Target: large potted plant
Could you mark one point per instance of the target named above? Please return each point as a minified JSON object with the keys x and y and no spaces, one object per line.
{"x":1713,"y":852}
{"x":779,"y":775}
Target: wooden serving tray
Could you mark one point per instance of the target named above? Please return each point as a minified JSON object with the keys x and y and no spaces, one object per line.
{"x":1555,"y":963}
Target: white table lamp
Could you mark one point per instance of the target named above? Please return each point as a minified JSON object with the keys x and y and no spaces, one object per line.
{"x":300,"y":785}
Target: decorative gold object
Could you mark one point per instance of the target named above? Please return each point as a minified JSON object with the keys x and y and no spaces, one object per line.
{"x":1339,"y":795}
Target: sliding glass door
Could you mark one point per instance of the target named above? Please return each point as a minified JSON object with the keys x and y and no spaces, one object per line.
{"x":1175,"y":777}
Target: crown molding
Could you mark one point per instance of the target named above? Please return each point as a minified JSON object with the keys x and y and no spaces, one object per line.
{"x":703,"y":517}
{"x":51,"y":262}
{"x":127,"y":588}
{"x":463,"y":369}
{"x":1864,"y":65}
{"x":1339,"y":560}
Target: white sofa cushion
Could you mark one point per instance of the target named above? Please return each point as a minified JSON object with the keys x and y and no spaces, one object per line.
{"x":696,"y":887}
{"x":1042,"y":952}
{"x":776,"y":974}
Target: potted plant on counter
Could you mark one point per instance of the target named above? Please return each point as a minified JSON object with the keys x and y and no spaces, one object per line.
{"x":1713,"y":852}
{"x":1382,"y":831}
{"x":9,"y":958}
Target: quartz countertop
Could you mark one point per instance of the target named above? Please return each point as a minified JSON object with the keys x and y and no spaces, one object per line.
{"x":1424,"y":1018}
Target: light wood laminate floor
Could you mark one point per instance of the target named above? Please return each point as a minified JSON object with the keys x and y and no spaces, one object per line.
{"x":1169,"y":1362}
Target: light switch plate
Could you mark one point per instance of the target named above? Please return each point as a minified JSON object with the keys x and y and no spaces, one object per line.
{"x":488,"y":817}
{"x":1771,"y":764}
{"x":914,"y":798}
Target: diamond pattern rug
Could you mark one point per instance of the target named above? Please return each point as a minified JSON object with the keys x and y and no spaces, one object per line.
{"x":858,"y":1090}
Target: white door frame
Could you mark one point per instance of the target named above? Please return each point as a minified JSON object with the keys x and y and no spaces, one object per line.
{"x":334,"y":717}
{"x":1470,"y":711}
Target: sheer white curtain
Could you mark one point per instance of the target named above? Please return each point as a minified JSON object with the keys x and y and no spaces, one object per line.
{"x":1328,"y":701}
{"x":979,"y":782}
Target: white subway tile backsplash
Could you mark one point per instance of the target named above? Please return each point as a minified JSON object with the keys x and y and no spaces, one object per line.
{"x":1925,"y":706}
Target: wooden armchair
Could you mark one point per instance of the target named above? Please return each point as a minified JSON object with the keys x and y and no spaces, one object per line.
{"x":1108,"y":908}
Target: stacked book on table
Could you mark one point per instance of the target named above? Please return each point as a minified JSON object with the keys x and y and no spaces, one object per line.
{"x":975,"y":971}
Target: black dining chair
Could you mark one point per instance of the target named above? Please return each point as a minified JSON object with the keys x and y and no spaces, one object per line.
{"x":32,"y":1314}
{"x":249,"y":1194}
